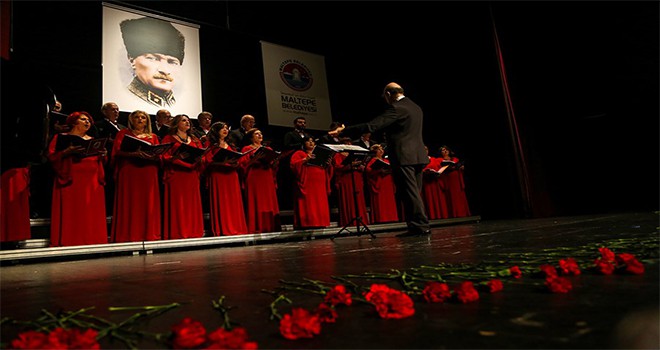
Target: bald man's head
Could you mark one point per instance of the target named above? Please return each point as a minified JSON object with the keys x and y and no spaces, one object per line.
{"x":392,"y":91}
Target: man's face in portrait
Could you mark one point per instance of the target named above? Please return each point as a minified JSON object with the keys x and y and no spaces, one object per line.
{"x":155,"y":50}
{"x":157,"y":70}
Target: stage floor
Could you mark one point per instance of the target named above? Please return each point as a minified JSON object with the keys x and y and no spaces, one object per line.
{"x":599,"y":312}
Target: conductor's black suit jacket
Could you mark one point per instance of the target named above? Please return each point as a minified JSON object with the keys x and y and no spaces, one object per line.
{"x":402,"y":122}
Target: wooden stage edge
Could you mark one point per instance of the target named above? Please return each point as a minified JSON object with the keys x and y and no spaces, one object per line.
{"x":37,"y":250}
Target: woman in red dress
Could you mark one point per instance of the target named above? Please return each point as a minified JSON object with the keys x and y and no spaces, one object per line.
{"x":15,"y":204}
{"x":381,"y":188}
{"x":310,"y":207}
{"x":260,"y":185}
{"x":182,"y":205}
{"x":349,"y":183}
{"x":433,"y":192}
{"x":136,"y":215}
{"x":78,"y":208}
{"x":454,"y":184}
{"x":227,"y":214}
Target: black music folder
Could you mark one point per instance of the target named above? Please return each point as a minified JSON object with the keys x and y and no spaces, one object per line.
{"x":92,"y":146}
{"x":380,"y":164}
{"x":134,"y":144}
{"x":450,"y":165}
{"x":225,"y":155}
{"x":265,"y":155}
{"x":189,"y":154}
{"x":355,"y":153}
{"x":322,"y":156}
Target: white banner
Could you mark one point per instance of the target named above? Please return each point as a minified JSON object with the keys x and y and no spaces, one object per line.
{"x":150,"y":63}
{"x":296,"y":85}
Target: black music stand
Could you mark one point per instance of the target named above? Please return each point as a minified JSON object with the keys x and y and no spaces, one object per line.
{"x":356,"y":157}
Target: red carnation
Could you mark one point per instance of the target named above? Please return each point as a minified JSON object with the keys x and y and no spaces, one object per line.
{"x":326,"y":313}
{"x":237,"y":338}
{"x":81,"y":340}
{"x":606,"y":254}
{"x":569,"y":267}
{"x":558,"y":284}
{"x":494,"y":286}
{"x":188,"y":334}
{"x":300,"y":324}
{"x":390,"y":303}
{"x":606,"y":267}
{"x":436,"y":292}
{"x":515,"y":272}
{"x":31,"y":340}
{"x":548,"y":270}
{"x":466,"y":293}
{"x":337,"y":295}
{"x":630,"y":264}
{"x":61,"y":338}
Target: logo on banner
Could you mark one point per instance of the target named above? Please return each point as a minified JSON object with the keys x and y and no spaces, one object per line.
{"x":295,"y":75}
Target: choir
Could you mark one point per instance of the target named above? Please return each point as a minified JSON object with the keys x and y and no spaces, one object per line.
{"x":162,"y":179}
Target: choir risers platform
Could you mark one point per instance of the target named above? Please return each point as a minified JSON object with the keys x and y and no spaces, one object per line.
{"x":37,"y":250}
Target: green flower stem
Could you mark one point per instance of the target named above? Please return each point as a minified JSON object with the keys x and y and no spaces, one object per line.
{"x":349,"y":284}
{"x":219,"y":305}
{"x":53,"y":318}
{"x":113,"y":328}
{"x":318,"y":285}
{"x":273,"y":307}
{"x":131,"y":344}
{"x":148,"y":308}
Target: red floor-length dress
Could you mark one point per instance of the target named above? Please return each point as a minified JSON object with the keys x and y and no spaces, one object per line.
{"x":227,"y":214}
{"x":15,"y":205}
{"x":78,"y":207}
{"x":262,"y":208}
{"x":310,"y":208}
{"x":454,"y":185}
{"x":349,"y":191}
{"x":182,"y":198}
{"x":381,"y":194}
{"x":136,"y":215}
{"x":433,"y":193}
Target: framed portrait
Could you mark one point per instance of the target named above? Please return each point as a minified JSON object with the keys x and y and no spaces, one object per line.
{"x":150,"y":62}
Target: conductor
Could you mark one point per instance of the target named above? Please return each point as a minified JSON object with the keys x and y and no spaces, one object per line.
{"x":402,"y":123}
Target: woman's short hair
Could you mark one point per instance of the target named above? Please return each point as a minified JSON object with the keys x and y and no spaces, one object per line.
{"x":250,"y":133}
{"x":73,"y":118}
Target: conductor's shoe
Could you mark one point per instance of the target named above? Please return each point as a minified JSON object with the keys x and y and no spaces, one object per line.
{"x":407,"y":234}
{"x":414,"y":233}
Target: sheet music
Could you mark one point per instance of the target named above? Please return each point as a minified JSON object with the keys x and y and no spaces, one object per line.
{"x":344,"y":148}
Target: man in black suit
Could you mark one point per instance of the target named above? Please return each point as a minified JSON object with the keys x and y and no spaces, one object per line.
{"x":109,"y":126}
{"x":294,"y":139}
{"x":402,"y":123}
{"x":161,"y":126}
{"x":364,"y":141}
{"x":236,"y":137}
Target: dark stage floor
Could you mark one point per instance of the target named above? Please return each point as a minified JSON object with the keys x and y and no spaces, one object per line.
{"x":601,"y":311}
